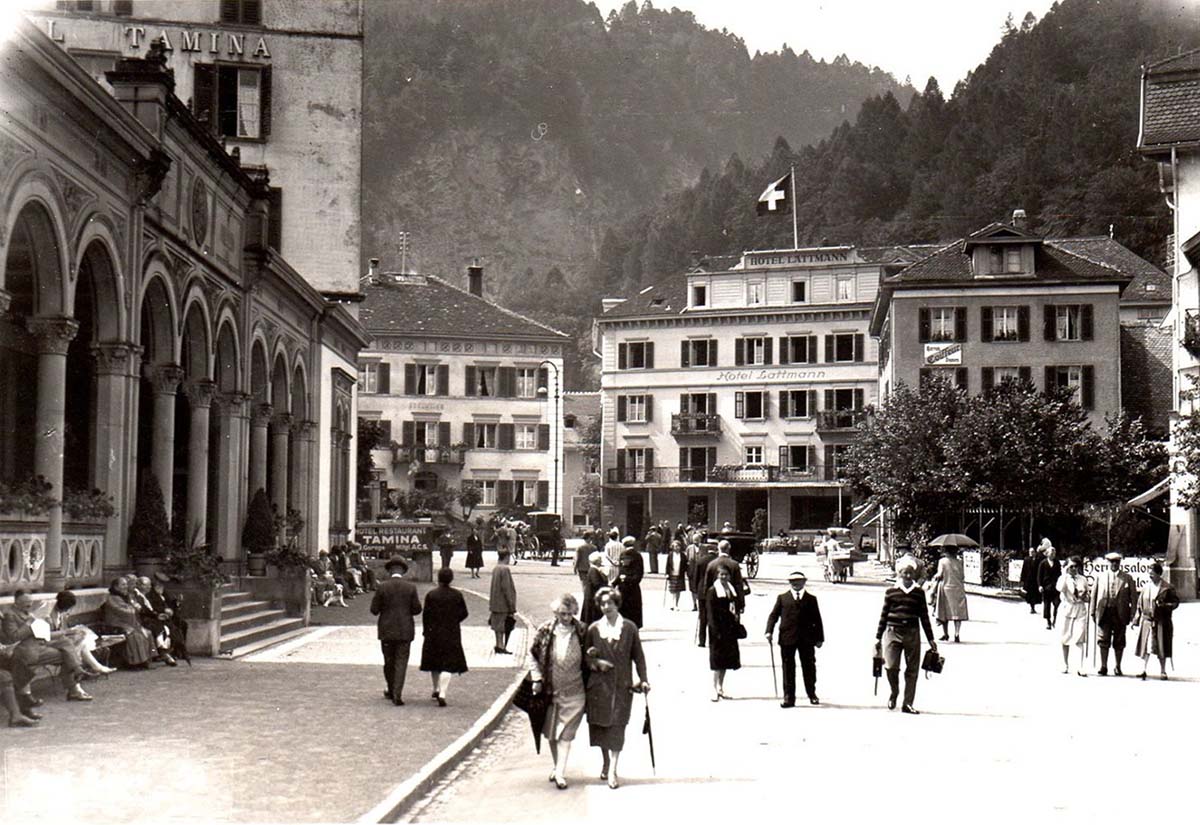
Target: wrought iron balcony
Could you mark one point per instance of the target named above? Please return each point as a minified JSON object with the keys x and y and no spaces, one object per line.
{"x":722,"y":473}
{"x":840,"y":420}
{"x":693,"y":424}
{"x":432,"y":455}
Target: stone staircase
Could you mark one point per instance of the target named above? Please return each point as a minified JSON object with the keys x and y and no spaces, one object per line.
{"x":248,"y":625}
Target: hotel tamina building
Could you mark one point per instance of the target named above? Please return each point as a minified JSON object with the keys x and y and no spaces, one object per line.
{"x":738,"y":388}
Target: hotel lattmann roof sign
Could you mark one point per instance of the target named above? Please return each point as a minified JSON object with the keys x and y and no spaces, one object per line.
{"x":800,"y":257}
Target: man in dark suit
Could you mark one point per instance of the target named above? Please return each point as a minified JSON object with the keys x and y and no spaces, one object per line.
{"x":722,"y":561}
{"x":800,"y":632}
{"x":1049,"y":571}
{"x":395,"y":603}
{"x":1113,"y":598}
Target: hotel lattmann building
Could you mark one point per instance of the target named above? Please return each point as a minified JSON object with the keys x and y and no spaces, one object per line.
{"x":739,"y":388}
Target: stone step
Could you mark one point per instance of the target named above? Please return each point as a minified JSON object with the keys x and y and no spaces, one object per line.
{"x":240,"y":638}
{"x":249,"y":620}
{"x":263,"y":644}
{"x":235,"y":597}
{"x":237,"y":609}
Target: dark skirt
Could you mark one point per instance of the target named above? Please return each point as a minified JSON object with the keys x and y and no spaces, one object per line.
{"x":442,"y":654}
{"x":609,"y":737}
{"x":474,"y":559}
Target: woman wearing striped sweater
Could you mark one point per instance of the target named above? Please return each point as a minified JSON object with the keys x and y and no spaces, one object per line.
{"x":905,"y":614}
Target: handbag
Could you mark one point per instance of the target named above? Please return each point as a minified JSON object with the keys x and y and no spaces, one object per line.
{"x":932,"y":662}
{"x":740,"y":631}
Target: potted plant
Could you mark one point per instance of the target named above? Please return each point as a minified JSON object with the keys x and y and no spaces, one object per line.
{"x":150,"y":541}
{"x":259,"y":534}
{"x":196,"y":578}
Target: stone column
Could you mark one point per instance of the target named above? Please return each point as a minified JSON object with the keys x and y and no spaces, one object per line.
{"x":54,"y":336}
{"x":302,"y":482}
{"x":200,"y":394}
{"x":116,"y":367}
{"x":231,"y":494}
{"x":259,"y":421}
{"x":164,"y":378}
{"x":281,"y":430}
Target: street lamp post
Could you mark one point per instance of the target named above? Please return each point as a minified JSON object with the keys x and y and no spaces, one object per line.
{"x":556,"y":444}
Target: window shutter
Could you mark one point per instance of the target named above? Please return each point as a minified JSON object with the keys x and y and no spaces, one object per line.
{"x":985,"y":324}
{"x":410,"y":379}
{"x":1086,"y":322}
{"x":683,"y":403}
{"x":252,"y":12}
{"x":739,"y":352}
{"x":784,"y":354}
{"x":543,"y":494}
{"x":649,"y":407}
{"x":264,"y":110}
{"x":960,"y":378}
{"x":229,"y":11}
{"x":683,"y":458}
{"x":408,"y":433}
{"x":505,"y":436}
{"x":811,"y":466}
{"x":712,"y":353}
{"x":784,"y":458}
{"x":710,"y":460}
{"x":768,"y":357}
{"x":1088,"y":390}
{"x":784,"y":412}
{"x":1051,"y":378}
{"x":923,"y":325}
{"x":506,"y":378}
{"x":830,"y":402}
{"x":1048,"y":322}
{"x":385,"y":428}
{"x":739,"y":405}
{"x":712,"y":403}
{"x":960,"y":323}
{"x":443,"y":379}
{"x":620,"y":459}
{"x":830,"y":349}
{"x":543,"y":379}
{"x":504,"y":492}
{"x":275,"y":218}
{"x":622,"y":356}
{"x":1026,"y":374}
{"x":649,"y":355}
{"x":812,"y":404}
{"x":810,"y":356}
{"x":383,"y":384}
{"x":649,"y":454}
{"x":858,"y":399}
{"x":469,"y":433}
{"x":988,"y":379}
{"x":204,"y":94}
{"x":443,"y":433}
{"x":685,"y":359}
{"x":829,"y":474}
{"x":1022,"y":323}
{"x":766,"y":404}
{"x":621,"y":407}
{"x":860,"y":350}
{"x":472,"y":382}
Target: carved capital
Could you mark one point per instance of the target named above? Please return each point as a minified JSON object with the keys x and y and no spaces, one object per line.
{"x":281,"y":423}
{"x":165,"y":378}
{"x":307,"y":430}
{"x":232,"y":404}
{"x":54,"y":335}
{"x":200,"y":393}
{"x":116,"y":359}
{"x":261,"y":416}
{"x":5,"y":298}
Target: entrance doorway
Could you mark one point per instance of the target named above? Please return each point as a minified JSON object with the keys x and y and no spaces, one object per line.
{"x":745,"y":503}
{"x":635,"y":516}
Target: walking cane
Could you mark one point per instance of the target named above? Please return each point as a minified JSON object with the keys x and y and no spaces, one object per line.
{"x":774,"y":678}
{"x":664,"y":600}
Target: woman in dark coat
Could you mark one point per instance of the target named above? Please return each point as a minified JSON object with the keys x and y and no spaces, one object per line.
{"x":442,"y":650}
{"x":723,"y":622}
{"x":1029,"y":580}
{"x":596,"y":581}
{"x":629,"y":582}
{"x":614,"y":648}
{"x":1156,"y":627}
{"x":474,"y":552}
{"x":120,"y":613}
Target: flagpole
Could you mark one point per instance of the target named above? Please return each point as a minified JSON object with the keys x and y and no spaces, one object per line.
{"x":795,"y":226}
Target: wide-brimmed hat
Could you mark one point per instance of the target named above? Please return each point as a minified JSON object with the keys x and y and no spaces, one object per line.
{"x":797,"y":574}
{"x":1113,"y":556}
{"x":160,"y":576}
{"x":396,"y":561}
{"x":629,"y":541}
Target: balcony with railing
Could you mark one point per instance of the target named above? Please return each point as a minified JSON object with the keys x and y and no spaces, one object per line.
{"x":696,"y":424}
{"x":834,"y":420}
{"x":721,"y":474}
{"x":455,"y":456}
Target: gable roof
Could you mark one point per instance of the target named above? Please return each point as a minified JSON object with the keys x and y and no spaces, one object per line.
{"x":1150,"y":285}
{"x":1053,"y":262}
{"x":1170,"y":103}
{"x":427,"y":305}
{"x":999,"y":233}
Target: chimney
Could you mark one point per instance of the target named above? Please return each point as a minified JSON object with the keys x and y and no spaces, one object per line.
{"x":475,"y":278}
{"x":143,"y":84}
{"x":1018,"y":219}
{"x":372,"y":268}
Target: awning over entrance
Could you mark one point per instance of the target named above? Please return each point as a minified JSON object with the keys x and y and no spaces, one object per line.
{"x":865,"y":514}
{"x":1154,"y":492}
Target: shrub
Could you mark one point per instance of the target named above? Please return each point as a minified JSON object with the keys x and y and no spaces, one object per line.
{"x":31,"y":497}
{"x":149,"y":535}
{"x":258,"y":536}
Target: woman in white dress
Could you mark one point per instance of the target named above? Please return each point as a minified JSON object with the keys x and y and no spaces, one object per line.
{"x":556,"y":667}
{"x":1073,"y":615}
{"x":82,"y":636}
{"x":950,"y":600}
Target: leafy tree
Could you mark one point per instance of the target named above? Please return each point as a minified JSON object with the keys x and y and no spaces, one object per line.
{"x":370,"y":437}
{"x":469,"y":496}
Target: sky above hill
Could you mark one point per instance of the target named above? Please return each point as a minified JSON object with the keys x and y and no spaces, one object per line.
{"x":914,"y":39}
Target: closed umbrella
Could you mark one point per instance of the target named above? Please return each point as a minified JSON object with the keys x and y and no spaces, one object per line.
{"x":536,"y":705}
{"x":953,"y":540}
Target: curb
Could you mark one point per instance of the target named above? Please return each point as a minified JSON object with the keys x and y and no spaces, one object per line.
{"x":403,"y":796}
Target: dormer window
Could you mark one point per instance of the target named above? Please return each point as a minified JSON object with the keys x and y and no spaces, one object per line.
{"x":754,"y":293}
{"x":1012,"y":259}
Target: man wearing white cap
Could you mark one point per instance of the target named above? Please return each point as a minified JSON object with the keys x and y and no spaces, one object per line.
{"x":800,"y":632}
{"x":1112,"y":610}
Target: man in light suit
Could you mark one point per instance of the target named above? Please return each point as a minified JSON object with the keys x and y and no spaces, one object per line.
{"x":800,"y":632}
{"x":395,"y":603}
{"x":1112,"y":609}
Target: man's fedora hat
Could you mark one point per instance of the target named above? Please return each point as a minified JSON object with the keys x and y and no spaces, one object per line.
{"x":397,"y":561}
{"x":1113,"y":556}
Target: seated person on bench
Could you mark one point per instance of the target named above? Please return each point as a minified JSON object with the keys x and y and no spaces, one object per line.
{"x":37,"y":645}
{"x":82,"y":636}
{"x":122,"y":614}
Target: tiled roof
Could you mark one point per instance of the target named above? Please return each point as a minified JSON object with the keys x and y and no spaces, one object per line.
{"x":1146,"y":374}
{"x":1171,"y":101}
{"x":1150,"y":284}
{"x":425,"y":304}
{"x":585,"y":406}
{"x":1053,"y":262}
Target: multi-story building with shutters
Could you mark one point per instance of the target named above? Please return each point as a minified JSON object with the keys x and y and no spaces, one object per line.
{"x":464,"y":389}
{"x":738,"y":386}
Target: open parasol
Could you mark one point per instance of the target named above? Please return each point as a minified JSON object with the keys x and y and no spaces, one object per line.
{"x":953,"y":540}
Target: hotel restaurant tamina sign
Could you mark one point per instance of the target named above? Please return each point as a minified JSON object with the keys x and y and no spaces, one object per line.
{"x":381,"y":539}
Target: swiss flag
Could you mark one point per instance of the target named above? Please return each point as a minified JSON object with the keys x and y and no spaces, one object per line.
{"x":776,"y":198}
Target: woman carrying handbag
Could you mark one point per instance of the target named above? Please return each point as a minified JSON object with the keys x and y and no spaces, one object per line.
{"x":724,"y":630}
